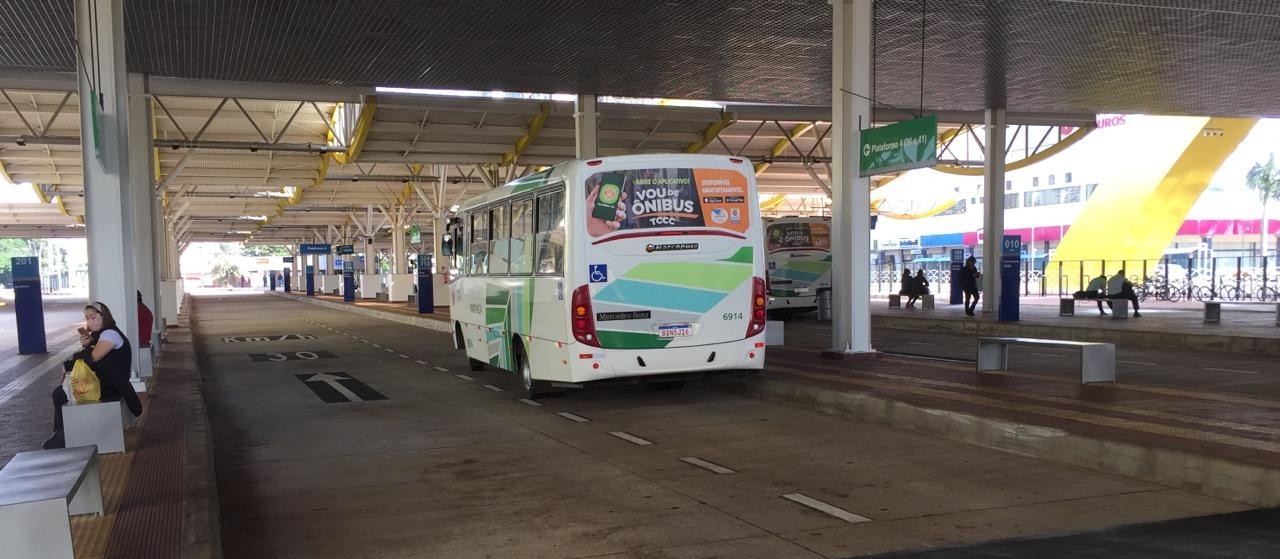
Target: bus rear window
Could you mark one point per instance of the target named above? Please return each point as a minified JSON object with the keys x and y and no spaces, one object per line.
{"x":667,"y":198}
{"x":799,"y":235}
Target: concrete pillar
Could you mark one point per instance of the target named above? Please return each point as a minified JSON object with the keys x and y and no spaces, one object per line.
{"x":438,"y":261}
{"x":993,"y":209}
{"x":105,"y":143}
{"x":585,"y":119}
{"x":142,"y":194}
{"x":851,"y":193}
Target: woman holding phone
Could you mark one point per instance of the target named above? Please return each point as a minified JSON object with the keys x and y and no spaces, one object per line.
{"x":106,"y":350}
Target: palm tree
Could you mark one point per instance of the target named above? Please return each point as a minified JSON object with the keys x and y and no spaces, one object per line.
{"x":1265,"y":180}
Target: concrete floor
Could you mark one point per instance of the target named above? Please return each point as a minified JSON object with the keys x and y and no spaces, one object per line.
{"x":447,"y":468}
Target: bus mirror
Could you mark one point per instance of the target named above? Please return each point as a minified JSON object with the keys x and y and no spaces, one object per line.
{"x":446,"y":245}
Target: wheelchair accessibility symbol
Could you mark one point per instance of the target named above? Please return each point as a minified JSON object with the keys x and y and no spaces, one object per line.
{"x":599,"y":273}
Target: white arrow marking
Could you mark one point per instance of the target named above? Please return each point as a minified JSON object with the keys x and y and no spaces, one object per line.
{"x":824,"y":507}
{"x":332,"y":381}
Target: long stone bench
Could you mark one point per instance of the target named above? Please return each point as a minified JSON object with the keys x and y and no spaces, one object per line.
{"x":1097,"y":360}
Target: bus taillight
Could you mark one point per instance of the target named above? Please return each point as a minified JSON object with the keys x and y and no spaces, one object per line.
{"x":584,"y":326}
{"x":757,"y":307}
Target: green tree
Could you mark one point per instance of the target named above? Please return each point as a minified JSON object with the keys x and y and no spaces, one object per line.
{"x":10,"y":248}
{"x":1264,"y":179}
{"x":264,"y":250}
{"x":224,"y":272}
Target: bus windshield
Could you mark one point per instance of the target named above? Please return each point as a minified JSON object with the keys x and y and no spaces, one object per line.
{"x":658,"y":198}
{"x":799,"y":235}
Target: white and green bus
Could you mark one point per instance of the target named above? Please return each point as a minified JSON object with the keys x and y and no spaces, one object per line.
{"x":629,"y":266}
{"x":799,"y":263}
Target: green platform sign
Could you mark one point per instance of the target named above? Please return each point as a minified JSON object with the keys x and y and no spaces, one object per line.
{"x":415,"y":234}
{"x":910,"y":144}
{"x":346,"y":249}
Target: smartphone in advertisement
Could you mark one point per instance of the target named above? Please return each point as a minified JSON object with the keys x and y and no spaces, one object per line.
{"x":607,"y":198}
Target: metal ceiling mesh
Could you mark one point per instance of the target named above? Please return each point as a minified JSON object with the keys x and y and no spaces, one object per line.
{"x":1159,"y":56}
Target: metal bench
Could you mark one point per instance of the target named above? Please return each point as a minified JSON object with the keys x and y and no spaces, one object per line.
{"x":101,"y":424}
{"x":39,"y":491}
{"x":1213,"y":309}
{"x":1119,"y":307}
{"x":1097,"y":360}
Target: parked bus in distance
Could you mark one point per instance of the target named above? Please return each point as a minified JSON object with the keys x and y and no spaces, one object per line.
{"x":799,"y":263}
{"x":629,"y":266}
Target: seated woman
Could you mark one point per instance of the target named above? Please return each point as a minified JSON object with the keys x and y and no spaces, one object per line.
{"x":921,"y":285}
{"x":106,"y":350}
{"x":906,"y":283}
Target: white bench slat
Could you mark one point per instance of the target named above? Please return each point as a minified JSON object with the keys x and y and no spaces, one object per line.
{"x":1040,"y":342}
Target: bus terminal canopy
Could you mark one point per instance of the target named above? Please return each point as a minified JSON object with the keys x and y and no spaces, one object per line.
{"x":1100,"y":56}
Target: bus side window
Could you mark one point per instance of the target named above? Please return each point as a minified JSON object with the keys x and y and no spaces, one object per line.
{"x":522,"y":237}
{"x":550,"y":238}
{"x":479,"y":256}
{"x":500,"y":233}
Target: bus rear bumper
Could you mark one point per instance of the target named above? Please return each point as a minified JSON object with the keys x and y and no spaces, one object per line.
{"x":602,"y":364}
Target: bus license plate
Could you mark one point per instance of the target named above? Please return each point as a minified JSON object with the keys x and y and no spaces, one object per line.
{"x":675,"y":330}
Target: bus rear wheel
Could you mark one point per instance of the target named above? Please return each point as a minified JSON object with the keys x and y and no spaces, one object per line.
{"x":528,"y":386}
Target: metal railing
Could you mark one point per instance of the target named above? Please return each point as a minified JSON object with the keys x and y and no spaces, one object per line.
{"x":1173,"y":278}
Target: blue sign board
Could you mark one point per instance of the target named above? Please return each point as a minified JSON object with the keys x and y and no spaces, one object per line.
{"x":28,"y":305}
{"x":288,"y":259}
{"x":287,"y":279}
{"x":315,"y":249}
{"x":311,"y":281}
{"x":346,"y":249}
{"x":957,"y":265}
{"x":348,"y":281}
{"x":1010,"y":267}
{"x":426,"y":294}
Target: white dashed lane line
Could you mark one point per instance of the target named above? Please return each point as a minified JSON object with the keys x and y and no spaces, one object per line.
{"x":464,"y":377}
{"x":529,"y":402}
{"x":419,"y":361}
{"x":441,"y":369}
{"x":493,"y":388}
{"x":573,"y":417}
{"x":1231,"y":371}
{"x":708,"y":466}
{"x":630,"y":438}
{"x":826,"y":508}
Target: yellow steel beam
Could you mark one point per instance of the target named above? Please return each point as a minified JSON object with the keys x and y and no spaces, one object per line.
{"x":710,"y":134}
{"x":1024,"y":162}
{"x":535,"y":127}
{"x":368,"y":106}
{"x":773,"y":202}
{"x":781,"y":145}
{"x":35,"y":188}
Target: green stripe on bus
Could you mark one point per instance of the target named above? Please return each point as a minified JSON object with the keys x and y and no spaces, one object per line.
{"x":744,"y":256}
{"x":496,"y":296}
{"x":702,"y":275}
{"x":495,"y":316}
{"x":818,"y":267}
{"x":611,"y":339}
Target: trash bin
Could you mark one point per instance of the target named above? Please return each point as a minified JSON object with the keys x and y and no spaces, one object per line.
{"x":824,"y":305}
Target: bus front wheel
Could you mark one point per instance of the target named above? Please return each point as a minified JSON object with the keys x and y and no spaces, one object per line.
{"x":529,"y":387}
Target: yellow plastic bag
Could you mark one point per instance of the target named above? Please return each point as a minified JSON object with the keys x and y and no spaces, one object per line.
{"x":84,"y":384}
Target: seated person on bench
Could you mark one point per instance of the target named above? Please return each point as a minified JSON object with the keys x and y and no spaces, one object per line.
{"x":107,"y":352}
{"x":1094,"y":291}
{"x":1119,"y":288}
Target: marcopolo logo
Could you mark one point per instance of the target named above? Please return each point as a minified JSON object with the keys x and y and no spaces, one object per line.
{"x":673,"y":246}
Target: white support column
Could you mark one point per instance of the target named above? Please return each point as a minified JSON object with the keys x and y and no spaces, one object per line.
{"x":141,"y":180}
{"x":109,"y":208}
{"x":851,"y":194}
{"x":585,"y":124}
{"x":993,"y":209}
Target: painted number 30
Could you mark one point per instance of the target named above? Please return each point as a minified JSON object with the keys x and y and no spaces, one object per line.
{"x":297,"y":355}
{"x":732,"y":316}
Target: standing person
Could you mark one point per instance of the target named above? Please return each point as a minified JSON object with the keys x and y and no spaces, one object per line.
{"x":969,"y":277}
{"x":106,"y":350}
{"x":1119,"y":288}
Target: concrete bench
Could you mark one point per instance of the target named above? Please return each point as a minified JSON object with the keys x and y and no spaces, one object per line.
{"x":1097,"y":360}
{"x":39,"y":491}
{"x":895,"y":301}
{"x":1119,"y":307}
{"x":98,"y":424}
{"x":1213,"y":309}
